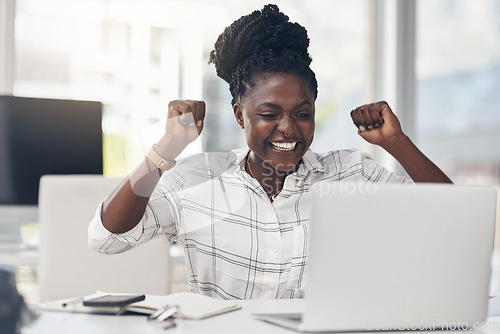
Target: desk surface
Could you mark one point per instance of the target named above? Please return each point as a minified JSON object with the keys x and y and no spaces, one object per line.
{"x":240,"y":321}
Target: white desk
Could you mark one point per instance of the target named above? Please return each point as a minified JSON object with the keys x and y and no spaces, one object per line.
{"x":240,"y":321}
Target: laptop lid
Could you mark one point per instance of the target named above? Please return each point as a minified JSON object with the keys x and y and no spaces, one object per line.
{"x":399,"y":257}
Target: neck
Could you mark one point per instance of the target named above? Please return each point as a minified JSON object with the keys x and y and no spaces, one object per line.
{"x":270,"y":178}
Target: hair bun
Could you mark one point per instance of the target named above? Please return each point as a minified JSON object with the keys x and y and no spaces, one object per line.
{"x":259,"y":32}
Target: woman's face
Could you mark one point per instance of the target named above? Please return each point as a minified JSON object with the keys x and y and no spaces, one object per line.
{"x":277,"y":115}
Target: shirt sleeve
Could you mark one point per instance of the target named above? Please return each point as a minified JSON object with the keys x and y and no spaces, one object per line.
{"x":157,"y":221}
{"x":162,"y":215}
{"x":374,"y":172}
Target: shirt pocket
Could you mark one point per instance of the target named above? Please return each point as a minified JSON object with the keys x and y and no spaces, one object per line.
{"x":297,"y":277}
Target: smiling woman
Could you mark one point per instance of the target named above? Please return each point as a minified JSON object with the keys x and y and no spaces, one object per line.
{"x":278,"y":118}
{"x":243,"y":216}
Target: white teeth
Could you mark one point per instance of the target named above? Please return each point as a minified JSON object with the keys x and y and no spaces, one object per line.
{"x":284,"y":146}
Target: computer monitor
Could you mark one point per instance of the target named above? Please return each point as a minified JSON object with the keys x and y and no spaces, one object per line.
{"x":41,"y":136}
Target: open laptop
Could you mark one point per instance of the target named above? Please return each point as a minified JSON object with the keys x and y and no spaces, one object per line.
{"x":396,"y":257}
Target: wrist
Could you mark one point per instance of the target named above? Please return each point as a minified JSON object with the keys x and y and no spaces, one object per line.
{"x":397,"y":144}
{"x":158,"y":160}
{"x":168,"y":149}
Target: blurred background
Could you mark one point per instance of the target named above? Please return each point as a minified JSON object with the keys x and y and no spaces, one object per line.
{"x":437,"y":63}
{"x":136,"y":55}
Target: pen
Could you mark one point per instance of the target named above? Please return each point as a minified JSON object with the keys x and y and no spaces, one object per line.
{"x":167,"y":314}
{"x":158,"y":313}
{"x":163,"y":313}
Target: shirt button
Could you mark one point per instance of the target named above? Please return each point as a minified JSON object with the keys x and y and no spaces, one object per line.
{"x":275,"y":249}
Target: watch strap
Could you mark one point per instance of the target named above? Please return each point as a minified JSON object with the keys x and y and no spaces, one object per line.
{"x":158,"y":161}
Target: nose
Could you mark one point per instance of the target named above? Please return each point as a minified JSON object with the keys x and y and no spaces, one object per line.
{"x":286,"y":125}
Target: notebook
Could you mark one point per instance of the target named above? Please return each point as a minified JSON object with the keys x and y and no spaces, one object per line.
{"x":190,"y":305}
{"x":396,"y":257}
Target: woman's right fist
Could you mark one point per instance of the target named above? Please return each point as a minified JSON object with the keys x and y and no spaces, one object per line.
{"x":184,"y":125}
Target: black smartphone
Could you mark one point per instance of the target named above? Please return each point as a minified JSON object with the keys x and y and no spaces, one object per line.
{"x":114,"y":300}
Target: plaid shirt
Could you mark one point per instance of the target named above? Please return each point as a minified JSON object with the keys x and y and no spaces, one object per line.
{"x":237,"y":243}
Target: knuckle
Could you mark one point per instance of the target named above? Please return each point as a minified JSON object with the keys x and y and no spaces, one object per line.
{"x":173,"y":103}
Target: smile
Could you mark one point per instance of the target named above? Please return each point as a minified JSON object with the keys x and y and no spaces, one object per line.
{"x":281,"y":146}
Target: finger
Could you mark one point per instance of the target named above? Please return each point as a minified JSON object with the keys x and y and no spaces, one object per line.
{"x":366,"y":113}
{"x":368,"y":116}
{"x":198,"y":110}
{"x":199,"y":114}
{"x":356,"y":118}
{"x":374,"y":115}
{"x":361,"y":121}
{"x":174,"y":109}
{"x":178,"y":107}
{"x":203,"y":108}
{"x":385,"y":110}
{"x":186,"y":118}
{"x":201,"y":122}
{"x":199,"y":126}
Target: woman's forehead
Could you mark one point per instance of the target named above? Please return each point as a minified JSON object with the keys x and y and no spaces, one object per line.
{"x":274,"y":87}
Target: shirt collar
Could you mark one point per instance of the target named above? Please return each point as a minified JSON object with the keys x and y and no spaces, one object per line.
{"x":241,"y":154}
{"x":309,"y":162}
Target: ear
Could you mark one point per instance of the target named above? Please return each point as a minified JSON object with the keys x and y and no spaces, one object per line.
{"x":238,"y":114}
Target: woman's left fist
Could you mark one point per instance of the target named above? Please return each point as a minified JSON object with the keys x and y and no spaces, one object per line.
{"x":376,"y":123}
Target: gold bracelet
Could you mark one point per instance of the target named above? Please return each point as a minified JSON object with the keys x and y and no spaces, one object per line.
{"x":158,"y":161}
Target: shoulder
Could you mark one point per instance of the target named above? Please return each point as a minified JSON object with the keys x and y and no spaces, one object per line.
{"x":342,"y":159}
{"x":197,"y":169}
{"x":349,"y":165}
{"x":356,"y":165}
{"x":207,"y":160}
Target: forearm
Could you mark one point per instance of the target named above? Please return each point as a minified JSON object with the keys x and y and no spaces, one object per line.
{"x":125,"y":207}
{"x":417,"y":165}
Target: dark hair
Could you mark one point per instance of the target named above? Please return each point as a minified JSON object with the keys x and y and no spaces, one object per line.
{"x":260,"y":43}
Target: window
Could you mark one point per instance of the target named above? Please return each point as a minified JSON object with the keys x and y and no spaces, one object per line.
{"x":458,"y":80}
{"x":137,"y":55}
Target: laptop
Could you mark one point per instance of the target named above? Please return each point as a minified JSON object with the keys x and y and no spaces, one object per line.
{"x":396,"y":257}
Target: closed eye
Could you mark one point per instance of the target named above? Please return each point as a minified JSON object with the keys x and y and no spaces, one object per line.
{"x":267,"y":115}
{"x":304,"y":114}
